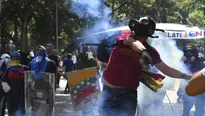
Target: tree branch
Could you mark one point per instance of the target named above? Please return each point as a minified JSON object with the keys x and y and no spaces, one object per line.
{"x":118,"y":8}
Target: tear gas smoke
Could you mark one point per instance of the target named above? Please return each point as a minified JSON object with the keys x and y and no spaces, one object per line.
{"x":153,"y":103}
{"x":96,"y":13}
{"x":170,"y":54}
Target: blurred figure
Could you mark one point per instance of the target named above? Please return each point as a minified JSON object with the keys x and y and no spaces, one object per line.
{"x":74,"y":59}
{"x":60,"y":69}
{"x":13,"y":86}
{"x":193,"y":62}
{"x":196,"y":85}
{"x":4,"y":65}
{"x":7,"y":60}
{"x":10,"y":46}
{"x":52,"y":55}
{"x":31,"y":54}
{"x":86,"y":58}
{"x":69,"y":66}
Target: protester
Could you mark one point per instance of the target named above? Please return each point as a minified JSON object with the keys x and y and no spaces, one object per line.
{"x":13,"y":86}
{"x":52,"y":56}
{"x":69,"y":66}
{"x":39,"y":65}
{"x":194,"y":63}
{"x":4,"y":65}
{"x":74,"y":59}
{"x":121,"y":77}
{"x":60,"y":69}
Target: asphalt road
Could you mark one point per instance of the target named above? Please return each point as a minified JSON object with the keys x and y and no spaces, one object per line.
{"x":63,"y":104}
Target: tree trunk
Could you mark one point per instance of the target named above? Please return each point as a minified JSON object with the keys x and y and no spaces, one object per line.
{"x":24,"y":38}
{"x":15,"y":31}
{"x":113,"y":7}
{"x":127,"y":8}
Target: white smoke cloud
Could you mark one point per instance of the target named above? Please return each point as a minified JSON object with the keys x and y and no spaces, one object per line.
{"x":96,"y":12}
{"x":172,"y":56}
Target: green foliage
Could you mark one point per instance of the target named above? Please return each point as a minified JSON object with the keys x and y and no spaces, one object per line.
{"x":33,"y":22}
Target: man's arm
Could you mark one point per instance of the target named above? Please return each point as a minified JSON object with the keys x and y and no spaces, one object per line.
{"x":136,"y":45}
{"x":169,"y":71}
{"x":196,"y":85}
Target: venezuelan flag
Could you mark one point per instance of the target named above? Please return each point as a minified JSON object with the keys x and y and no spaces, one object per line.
{"x":152,"y":80}
{"x":83,"y":87}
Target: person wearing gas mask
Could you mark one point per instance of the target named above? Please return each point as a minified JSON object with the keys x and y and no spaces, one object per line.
{"x":4,"y":64}
{"x":194,"y":64}
{"x":40,"y":64}
{"x":13,"y":85}
{"x":131,"y":54}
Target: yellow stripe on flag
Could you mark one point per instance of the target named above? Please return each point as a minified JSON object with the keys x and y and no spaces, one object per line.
{"x":77,"y":76}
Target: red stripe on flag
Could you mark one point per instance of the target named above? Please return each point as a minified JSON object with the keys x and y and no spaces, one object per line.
{"x":84,"y":93}
{"x":156,"y":76}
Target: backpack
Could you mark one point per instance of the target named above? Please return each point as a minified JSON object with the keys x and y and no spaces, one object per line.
{"x":104,"y":49}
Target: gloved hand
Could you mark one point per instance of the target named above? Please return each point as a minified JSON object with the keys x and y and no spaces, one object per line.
{"x":5,"y":87}
{"x":145,"y":59}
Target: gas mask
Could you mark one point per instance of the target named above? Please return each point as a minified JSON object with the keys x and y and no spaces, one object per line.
{"x":145,"y":26}
{"x":189,"y":56}
{"x":39,"y":56}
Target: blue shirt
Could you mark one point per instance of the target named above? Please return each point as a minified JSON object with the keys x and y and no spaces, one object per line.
{"x":68,"y":63}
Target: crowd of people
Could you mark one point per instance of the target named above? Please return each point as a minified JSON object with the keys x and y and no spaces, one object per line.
{"x":42,"y":59}
{"x":129,"y":58}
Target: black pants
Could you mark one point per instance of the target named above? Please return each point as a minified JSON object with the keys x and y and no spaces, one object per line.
{"x":57,"y":80}
{"x":15,"y":104}
{"x":2,"y":102}
{"x":67,"y":88}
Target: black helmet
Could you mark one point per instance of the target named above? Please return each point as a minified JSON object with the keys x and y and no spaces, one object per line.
{"x":145,"y":26}
{"x":190,"y":48}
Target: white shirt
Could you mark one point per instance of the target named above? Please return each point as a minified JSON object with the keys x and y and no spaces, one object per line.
{"x":74,"y":59}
